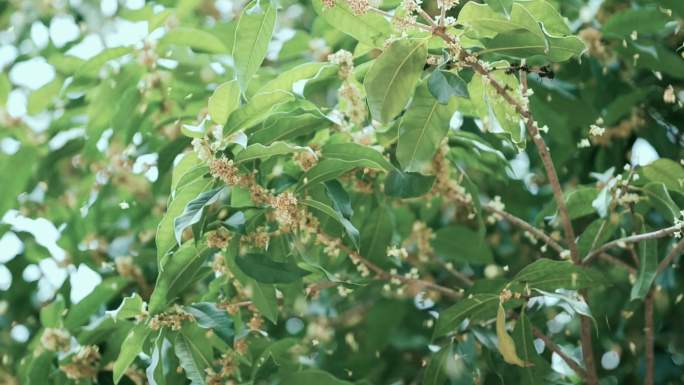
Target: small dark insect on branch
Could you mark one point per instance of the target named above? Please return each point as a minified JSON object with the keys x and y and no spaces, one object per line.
{"x":544,"y":71}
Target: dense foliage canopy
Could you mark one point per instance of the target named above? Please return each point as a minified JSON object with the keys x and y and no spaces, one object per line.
{"x":337,"y":192}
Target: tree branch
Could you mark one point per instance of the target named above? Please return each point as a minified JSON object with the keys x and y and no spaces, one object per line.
{"x":556,"y":349}
{"x":537,"y":233}
{"x":676,"y":250}
{"x":631,"y":239}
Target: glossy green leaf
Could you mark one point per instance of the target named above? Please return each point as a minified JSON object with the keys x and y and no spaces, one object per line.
{"x":130,"y":307}
{"x":79,"y":313}
{"x":329,"y":212}
{"x":224,"y":100}
{"x":312,"y":377}
{"x":253,"y":33}
{"x":193,"y":211}
{"x":537,"y":372}
{"x":265,"y":270}
{"x":197,"y":39}
{"x":131,"y":347}
{"x":369,"y":28}
{"x":407,"y":184}
{"x":392,"y":78}
{"x":648,"y":266}
{"x":422,"y":129}
{"x":355,"y":152}
{"x":475,"y":308}
{"x":262,"y":152}
{"x":208,"y":316}
{"x":549,"y":275}
{"x":194,"y":354}
{"x":667,"y":172}
{"x":444,"y":85}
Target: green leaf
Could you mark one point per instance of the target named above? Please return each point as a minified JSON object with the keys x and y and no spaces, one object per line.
{"x":198,"y":40}
{"x":496,"y":114}
{"x":176,"y":274}
{"x":407,"y":184}
{"x":193,"y":211}
{"x":328,"y":211}
{"x":437,"y":370}
{"x":130,"y":307}
{"x":444,"y":85}
{"x":5,"y":88}
{"x":194,"y":353}
{"x":501,"y":6}
{"x":525,"y":44}
{"x":21,"y":167}
{"x":43,"y":97}
{"x":422,"y":129}
{"x":208,"y":316}
{"x":475,"y":307}
{"x":311,"y":377}
{"x":392,"y":78}
{"x":224,"y":100}
{"x":595,"y":235}
{"x":369,"y":28}
{"x":661,"y":200}
{"x":52,"y":313}
{"x":103,"y":293}
{"x":328,"y":169}
{"x":648,"y":268}
{"x":259,"y":151}
{"x":376,"y":235}
{"x":536,"y":373}
{"x":460,"y":244}
{"x":339,"y":197}
{"x":667,"y":172}
{"x":265,"y":270}
{"x":549,"y":275}
{"x":91,"y":68}
{"x":646,"y":20}
{"x":252,"y":36}
{"x":354,"y":152}
{"x":166,"y":238}
{"x":130,"y":348}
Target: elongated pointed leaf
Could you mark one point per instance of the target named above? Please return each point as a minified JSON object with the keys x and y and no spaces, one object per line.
{"x":193,"y":211}
{"x":224,"y":100}
{"x":252,"y":35}
{"x":392,"y":78}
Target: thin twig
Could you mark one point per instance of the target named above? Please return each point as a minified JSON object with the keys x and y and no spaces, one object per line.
{"x":676,"y":250}
{"x":616,"y":261}
{"x":537,"y":233}
{"x":631,"y":239}
{"x":648,"y":329}
{"x":556,"y":349}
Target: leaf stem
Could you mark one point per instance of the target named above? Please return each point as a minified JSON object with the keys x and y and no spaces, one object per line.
{"x":556,"y":349}
{"x":537,"y":233}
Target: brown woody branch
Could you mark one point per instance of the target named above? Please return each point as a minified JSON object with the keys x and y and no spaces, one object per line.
{"x":632,"y":239}
{"x":556,"y":349}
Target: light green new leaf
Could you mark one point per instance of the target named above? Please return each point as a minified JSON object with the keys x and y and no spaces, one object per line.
{"x":5,"y":89}
{"x":392,"y":78}
{"x":280,"y":90}
{"x":130,"y":348}
{"x":130,"y":307}
{"x":369,"y":28}
{"x":103,"y":293}
{"x":166,"y":238}
{"x":259,"y":151}
{"x":224,"y":100}
{"x":355,"y":152}
{"x":196,"y":39}
{"x":41,"y":98}
{"x":422,"y":129}
{"x":92,"y":67}
{"x":252,"y":36}
{"x":17,"y":170}
{"x":192,"y":213}
{"x":648,"y":266}
{"x":52,"y":313}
